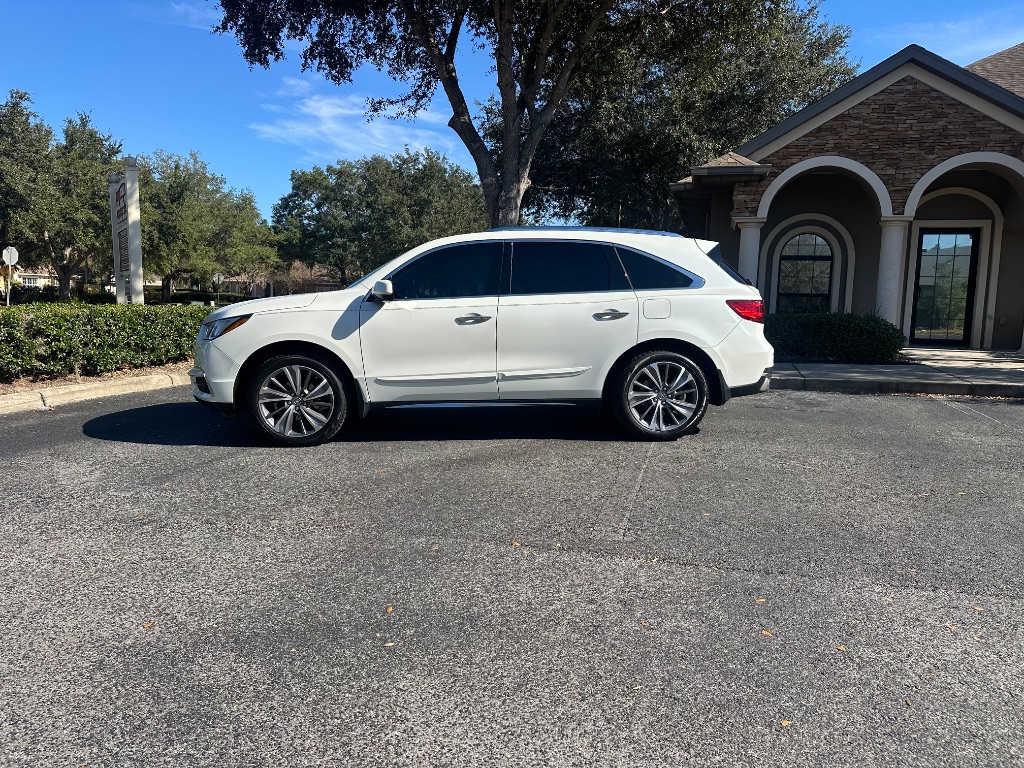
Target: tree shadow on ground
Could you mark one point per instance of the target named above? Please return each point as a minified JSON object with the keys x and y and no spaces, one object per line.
{"x":192,"y":424}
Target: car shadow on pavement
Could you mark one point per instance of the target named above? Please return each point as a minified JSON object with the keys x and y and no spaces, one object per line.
{"x":173,"y":424}
{"x":191,"y":424}
{"x":485,"y":422}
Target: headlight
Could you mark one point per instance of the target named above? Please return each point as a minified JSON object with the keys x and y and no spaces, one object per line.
{"x":218,"y":328}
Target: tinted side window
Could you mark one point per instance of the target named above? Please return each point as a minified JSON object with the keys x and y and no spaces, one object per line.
{"x":564,"y":267}
{"x":456,"y":272}
{"x":715,"y":254}
{"x":646,"y":273}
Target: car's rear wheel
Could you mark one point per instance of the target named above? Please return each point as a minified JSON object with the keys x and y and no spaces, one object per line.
{"x":298,"y":400}
{"x":660,"y":395}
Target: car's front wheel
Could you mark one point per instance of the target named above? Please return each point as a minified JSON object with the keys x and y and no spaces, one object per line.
{"x":660,"y":395}
{"x":298,"y":400}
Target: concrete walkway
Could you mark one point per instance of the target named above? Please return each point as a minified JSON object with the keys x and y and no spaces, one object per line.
{"x":935,"y":371}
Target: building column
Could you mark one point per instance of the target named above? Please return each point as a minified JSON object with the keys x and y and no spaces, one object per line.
{"x":750,"y":245}
{"x":890,"y":262}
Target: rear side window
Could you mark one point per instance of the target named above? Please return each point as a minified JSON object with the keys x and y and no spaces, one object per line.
{"x":455,"y":272}
{"x":646,"y":273}
{"x":715,"y":254}
{"x":564,"y":267}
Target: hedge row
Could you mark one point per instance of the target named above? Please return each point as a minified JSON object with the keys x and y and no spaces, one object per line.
{"x":839,"y":337}
{"x":61,"y":339}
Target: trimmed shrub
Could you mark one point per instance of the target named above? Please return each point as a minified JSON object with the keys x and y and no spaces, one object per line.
{"x":17,"y":351}
{"x":62,"y":339}
{"x":834,"y":337}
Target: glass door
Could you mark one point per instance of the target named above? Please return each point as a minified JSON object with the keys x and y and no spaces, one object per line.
{"x":944,"y":294}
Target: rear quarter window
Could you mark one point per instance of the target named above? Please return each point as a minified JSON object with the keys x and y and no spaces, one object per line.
{"x":648,"y":273}
{"x":715,"y":254}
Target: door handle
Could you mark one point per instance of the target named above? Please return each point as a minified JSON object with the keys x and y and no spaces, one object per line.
{"x":473,"y":318}
{"x":610,"y":314}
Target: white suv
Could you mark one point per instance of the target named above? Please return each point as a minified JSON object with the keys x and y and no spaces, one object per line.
{"x":652,"y":323}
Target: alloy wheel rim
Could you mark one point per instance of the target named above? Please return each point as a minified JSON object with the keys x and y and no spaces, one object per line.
{"x":662,"y":396}
{"x":296,"y":400}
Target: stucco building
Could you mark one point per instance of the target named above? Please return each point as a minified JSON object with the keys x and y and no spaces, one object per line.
{"x":900,"y":194}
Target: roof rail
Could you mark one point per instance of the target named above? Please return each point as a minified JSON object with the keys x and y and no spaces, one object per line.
{"x":585,"y":229}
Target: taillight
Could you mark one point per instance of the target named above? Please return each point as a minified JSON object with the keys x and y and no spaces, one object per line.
{"x":748,"y":309}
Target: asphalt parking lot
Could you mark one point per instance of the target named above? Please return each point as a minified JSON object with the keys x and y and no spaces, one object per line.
{"x":812,"y":580}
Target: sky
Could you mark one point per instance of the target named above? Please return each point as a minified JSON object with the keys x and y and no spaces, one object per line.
{"x":155,"y":76}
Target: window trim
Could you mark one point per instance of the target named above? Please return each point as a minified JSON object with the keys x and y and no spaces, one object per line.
{"x":833,"y":243}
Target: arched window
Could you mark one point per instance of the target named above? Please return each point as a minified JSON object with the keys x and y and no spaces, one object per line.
{"x":805,"y":274}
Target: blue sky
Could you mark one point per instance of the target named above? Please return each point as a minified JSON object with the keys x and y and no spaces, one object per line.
{"x":152,"y":74}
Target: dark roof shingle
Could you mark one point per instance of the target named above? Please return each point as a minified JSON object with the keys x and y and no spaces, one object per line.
{"x":1005,"y":69}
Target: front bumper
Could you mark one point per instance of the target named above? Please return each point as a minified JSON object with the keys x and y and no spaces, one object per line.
{"x":213,"y":376}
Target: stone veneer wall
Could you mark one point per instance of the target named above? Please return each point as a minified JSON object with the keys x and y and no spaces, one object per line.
{"x":900,"y":133}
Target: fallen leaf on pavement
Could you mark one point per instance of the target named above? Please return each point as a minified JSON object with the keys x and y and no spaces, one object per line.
{"x":766,"y":633}
{"x":516,"y":544}
{"x":149,"y":624}
{"x":389,"y":609}
{"x":951,"y":627}
{"x":786,"y":723}
{"x":388,"y":645}
{"x":977,"y":608}
{"x":760,"y":600}
{"x":841,"y":648}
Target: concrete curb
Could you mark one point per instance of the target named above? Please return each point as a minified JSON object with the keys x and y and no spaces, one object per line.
{"x":45,"y":398}
{"x":890,"y":387}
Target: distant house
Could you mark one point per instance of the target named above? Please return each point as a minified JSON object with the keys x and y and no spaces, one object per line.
{"x":901,"y":194}
{"x":34,"y":277}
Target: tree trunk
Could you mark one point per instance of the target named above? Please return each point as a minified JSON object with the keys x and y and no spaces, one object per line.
{"x":511,"y":202}
{"x":63,"y":281}
{"x":166,"y":287}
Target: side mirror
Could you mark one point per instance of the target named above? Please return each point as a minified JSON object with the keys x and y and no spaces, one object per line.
{"x":383,"y":290}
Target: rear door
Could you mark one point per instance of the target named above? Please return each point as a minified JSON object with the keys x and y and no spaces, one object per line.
{"x":566,"y":313}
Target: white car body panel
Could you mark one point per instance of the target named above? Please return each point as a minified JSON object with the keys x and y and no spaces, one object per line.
{"x":551,"y":345}
{"x":417,"y":350}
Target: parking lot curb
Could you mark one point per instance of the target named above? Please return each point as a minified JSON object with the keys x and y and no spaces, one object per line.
{"x":46,"y":398}
{"x":890,"y":387}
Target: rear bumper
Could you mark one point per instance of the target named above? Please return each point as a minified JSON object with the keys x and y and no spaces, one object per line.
{"x":761,"y":385}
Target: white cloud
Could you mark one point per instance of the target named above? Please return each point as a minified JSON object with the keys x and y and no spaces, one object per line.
{"x":963,"y":40}
{"x":185,"y":13}
{"x":333,"y":127}
{"x":294,"y":86}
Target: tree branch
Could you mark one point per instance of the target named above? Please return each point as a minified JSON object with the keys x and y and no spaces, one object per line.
{"x":461,"y":121}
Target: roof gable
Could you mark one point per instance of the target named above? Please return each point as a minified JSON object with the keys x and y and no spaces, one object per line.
{"x":914,"y":55}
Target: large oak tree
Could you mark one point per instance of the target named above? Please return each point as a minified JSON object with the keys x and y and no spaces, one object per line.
{"x":639,"y":117}
{"x":536,"y":49}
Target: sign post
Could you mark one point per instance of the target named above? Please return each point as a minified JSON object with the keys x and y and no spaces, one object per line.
{"x":126,"y":227}
{"x":218,"y":278}
{"x":10,"y":259}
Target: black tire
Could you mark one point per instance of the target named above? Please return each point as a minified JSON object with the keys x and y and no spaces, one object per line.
{"x":298,"y":400}
{"x":677,"y":401}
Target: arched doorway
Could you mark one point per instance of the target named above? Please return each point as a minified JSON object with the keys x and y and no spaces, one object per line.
{"x":965,"y":261}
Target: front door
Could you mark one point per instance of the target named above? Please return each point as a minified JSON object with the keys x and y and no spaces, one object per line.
{"x":437,"y":339}
{"x":944,"y":293}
